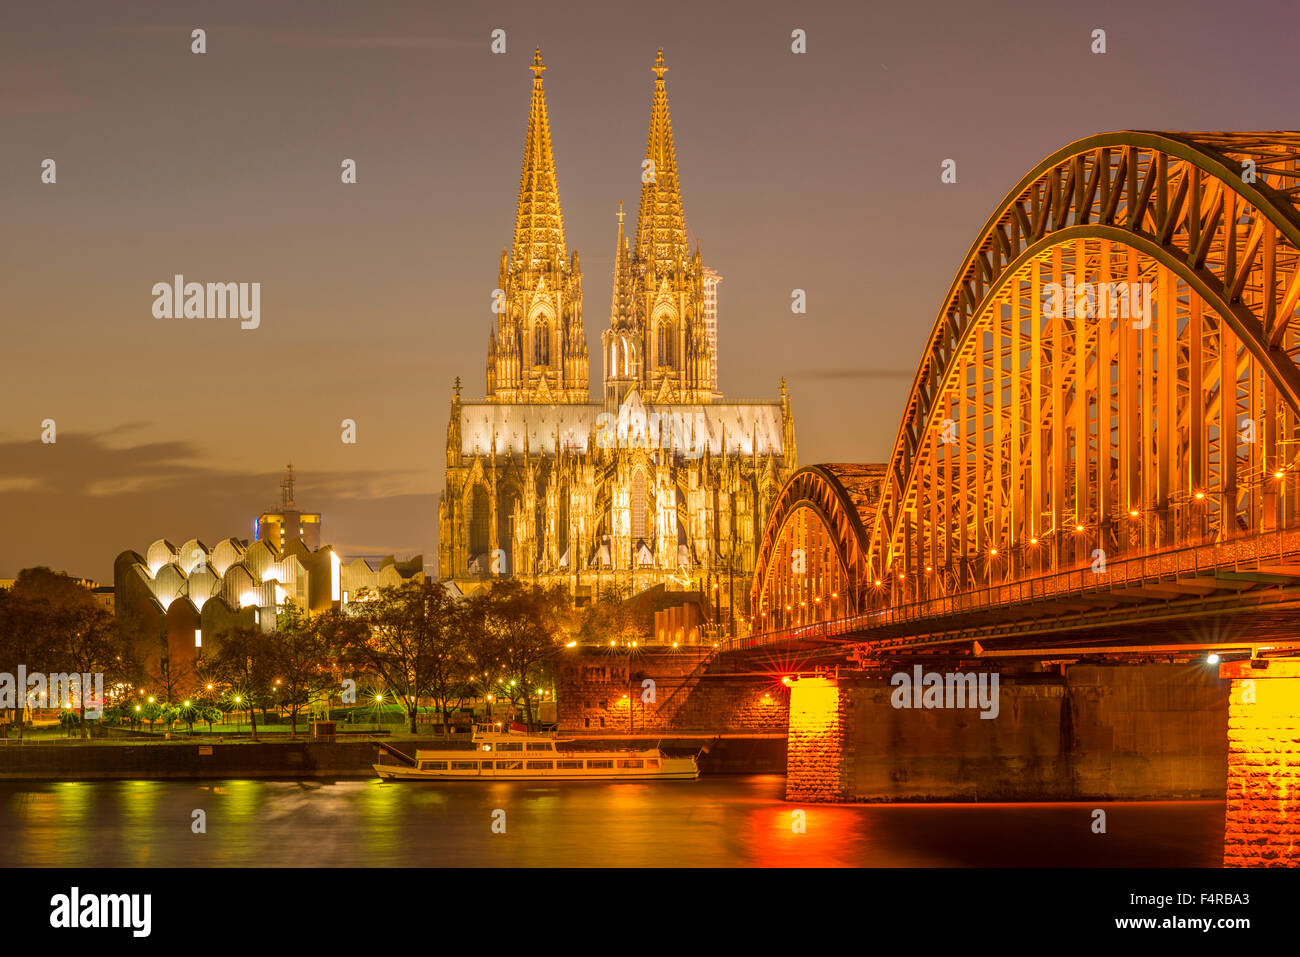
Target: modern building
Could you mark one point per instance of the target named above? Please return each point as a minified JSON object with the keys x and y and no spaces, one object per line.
{"x":660,"y":481}
{"x":183,"y":598}
{"x":287,"y":524}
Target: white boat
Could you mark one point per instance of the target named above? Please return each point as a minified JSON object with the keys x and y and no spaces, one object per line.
{"x":503,"y":756}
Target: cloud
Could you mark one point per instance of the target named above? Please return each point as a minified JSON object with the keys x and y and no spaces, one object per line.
{"x":311,"y":39}
{"x":322,"y":40}
{"x":855,"y":374}
{"x":33,"y":89}
{"x":79,"y":502}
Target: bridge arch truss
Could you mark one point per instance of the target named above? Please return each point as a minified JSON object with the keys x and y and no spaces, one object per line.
{"x":1112,"y":372}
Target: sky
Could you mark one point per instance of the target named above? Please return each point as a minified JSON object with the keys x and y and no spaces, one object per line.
{"x":817,"y":171}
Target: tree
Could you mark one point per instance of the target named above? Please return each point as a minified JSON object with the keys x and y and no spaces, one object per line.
{"x":302,"y":656}
{"x":408,"y":637}
{"x":188,"y":712}
{"x":614,"y":616}
{"x":210,"y":713}
{"x":87,"y":642}
{"x":518,"y":627}
{"x":151,"y":712}
{"x":23,"y":641}
{"x":50,"y":623}
{"x":244,"y":665}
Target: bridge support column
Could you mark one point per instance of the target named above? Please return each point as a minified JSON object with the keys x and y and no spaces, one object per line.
{"x":818,"y":749}
{"x":1262,"y":824}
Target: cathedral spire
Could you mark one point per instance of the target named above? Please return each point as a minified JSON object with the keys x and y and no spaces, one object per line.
{"x":539,"y":225}
{"x":661,"y":222}
{"x":621,"y":309}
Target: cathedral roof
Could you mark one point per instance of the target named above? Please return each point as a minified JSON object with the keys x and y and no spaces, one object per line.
{"x":539,"y":224}
{"x":503,"y":428}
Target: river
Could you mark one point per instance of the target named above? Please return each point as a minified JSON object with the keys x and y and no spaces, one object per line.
{"x":716,"y":821}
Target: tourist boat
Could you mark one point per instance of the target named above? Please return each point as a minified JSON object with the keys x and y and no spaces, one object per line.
{"x":506,"y":756}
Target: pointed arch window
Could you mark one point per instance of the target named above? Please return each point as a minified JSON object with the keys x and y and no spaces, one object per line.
{"x":664,"y":336}
{"x":541,"y":343}
{"x":640,"y":507}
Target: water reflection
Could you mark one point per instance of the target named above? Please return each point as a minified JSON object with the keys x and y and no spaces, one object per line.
{"x":737,"y":821}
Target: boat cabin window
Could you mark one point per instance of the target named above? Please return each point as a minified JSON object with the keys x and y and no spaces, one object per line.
{"x":631,"y":763}
{"x":487,"y":765}
{"x":540,"y":765}
{"x":568,"y":765}
{"x":652,"y":763}
{"x":510,"y":746}
{"x":540,"y":746}
{"x":510,"y":765}
{"x":464,"y":765}
{"x":433,"y":765}
{"x":602,"y":763}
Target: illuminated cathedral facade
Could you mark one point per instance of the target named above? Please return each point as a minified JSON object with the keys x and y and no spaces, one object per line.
{"x":660,"y":480}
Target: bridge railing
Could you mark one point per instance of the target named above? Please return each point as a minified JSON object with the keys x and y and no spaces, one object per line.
{"x":1154,"y":567}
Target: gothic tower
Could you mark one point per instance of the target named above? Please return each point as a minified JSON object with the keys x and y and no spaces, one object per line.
{"x":538,"y":351}
{"x":621,"y":343}
{"x":667,"y":278}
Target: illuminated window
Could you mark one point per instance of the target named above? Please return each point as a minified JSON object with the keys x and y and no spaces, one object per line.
{"x":664,"y":334}
{"x":541,"y":343}
{"x":640,"y":509}
{"x":198,"y":638}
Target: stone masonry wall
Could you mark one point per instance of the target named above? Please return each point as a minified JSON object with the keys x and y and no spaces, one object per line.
{"x":1262,"y":823}
{"x":818,"y":755}
{"x":690,"y":690}
{"x":1124,"y":732}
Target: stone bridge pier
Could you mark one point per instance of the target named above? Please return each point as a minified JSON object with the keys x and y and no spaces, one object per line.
{"x":1105,"y":732}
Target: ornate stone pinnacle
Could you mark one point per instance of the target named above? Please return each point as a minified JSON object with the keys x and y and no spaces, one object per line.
{"x":659,"y":69}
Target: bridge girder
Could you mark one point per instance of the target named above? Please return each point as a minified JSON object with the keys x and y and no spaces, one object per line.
{"x":1156,"y":410}
{"x":1035,"y":437}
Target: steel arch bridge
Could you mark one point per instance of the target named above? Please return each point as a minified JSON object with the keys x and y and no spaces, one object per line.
{"x":1112,"y":376}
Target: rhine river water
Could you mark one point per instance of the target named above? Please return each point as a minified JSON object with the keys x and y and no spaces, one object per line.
{"x":716,"y":821}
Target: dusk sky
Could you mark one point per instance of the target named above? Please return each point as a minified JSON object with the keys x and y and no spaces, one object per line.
{"x":818,"y":171}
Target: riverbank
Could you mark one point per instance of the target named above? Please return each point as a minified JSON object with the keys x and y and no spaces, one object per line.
{"x":303,"y":758}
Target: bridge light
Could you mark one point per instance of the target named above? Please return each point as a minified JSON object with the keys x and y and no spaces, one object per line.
{"x":1133,"y":512}
{"x":928,"y":568}
{"x":1078,"y":528}
{"x":835,"y":594}
{"x":1212,"y":659}
{"x":877,"y":581}
{"x":901,"y":576}
{"x":1200,"y":495}
{"x":1277,"y":474}
{"x":1033,"y":541}
{"x":993,"y":551}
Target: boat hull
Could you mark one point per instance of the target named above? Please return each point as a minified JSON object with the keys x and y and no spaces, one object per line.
{"x":394,"y":772}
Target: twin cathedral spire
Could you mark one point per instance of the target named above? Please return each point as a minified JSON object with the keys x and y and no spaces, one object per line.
{"x":657,"y":341}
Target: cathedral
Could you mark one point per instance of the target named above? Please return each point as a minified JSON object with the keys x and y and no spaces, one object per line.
{"x":660,"y":481}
